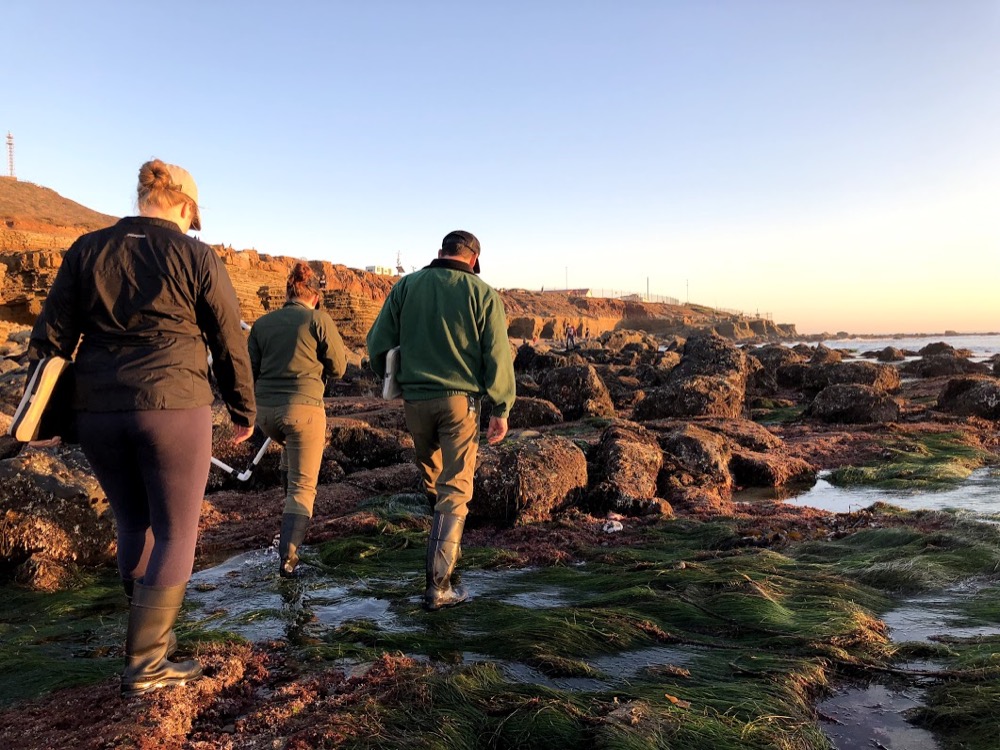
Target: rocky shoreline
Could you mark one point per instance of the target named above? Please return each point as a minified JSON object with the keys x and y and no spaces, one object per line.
{"x":620,"y":487}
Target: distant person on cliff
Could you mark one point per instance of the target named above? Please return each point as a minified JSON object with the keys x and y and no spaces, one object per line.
{"x":293,"y":352}
{"x":142,"y":298}
{"x":452,"y":332}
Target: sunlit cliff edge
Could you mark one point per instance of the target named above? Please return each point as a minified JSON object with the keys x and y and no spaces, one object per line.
{"x":37,"y":225}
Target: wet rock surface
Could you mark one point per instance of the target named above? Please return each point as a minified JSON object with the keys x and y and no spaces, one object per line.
{"x":556,"y":495}
{"x":977,"y":397}
{"x":526,"y":480}
{"x":853,"y":404}
{"x":627,"y":463}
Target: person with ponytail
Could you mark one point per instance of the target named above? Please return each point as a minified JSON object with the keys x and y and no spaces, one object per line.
{"x":142,"y":299}
{"x":293,"y":352}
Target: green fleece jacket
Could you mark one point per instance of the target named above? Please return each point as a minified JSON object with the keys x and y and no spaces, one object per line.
{"x":292,"y":351}
{"x":451,"y":330}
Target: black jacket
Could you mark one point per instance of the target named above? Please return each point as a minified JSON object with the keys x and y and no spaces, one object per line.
{"x":143,"y":300}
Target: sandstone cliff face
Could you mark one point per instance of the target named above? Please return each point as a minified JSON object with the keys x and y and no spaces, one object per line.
{"x":37,"y":226}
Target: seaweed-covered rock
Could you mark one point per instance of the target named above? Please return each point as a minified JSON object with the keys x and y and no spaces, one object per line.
{"x":53,"y":517}
{"x":616,"y":341}
{"x":792,"y":375}
{"x":627,"y":462}
{"x":531,"y":412}
{"x":936,"y":348}
{"x":938,"y":365}
{"x":529,"y":359}
{"x":695,"y":475}
{"x":709,"y":381}
{"x":523,"y":481}
{"x":756,"y":469}
{"x":744,"y":433}
{"x":853,"y":404}
{"x":890,"y":354}
{"x":880,"y":377}
{"x":694,"y":396}
{"x":625,"y":390}
{"x":577,"y":392}
{"x":771,"y":358}
{"x":978,"y":397}
{"x":824,"y":355}
{"x":357,"y":445}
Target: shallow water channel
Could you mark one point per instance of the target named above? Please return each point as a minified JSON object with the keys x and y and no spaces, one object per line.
{"x":244,"y":596}
{"x":875,"y":715}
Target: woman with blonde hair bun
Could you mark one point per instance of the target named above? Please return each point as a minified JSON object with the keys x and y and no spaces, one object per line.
{"x":293,"y":352}
{"x":142,"y":299}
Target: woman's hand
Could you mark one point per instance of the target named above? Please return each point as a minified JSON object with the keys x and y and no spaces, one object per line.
{"x":241,"y":433}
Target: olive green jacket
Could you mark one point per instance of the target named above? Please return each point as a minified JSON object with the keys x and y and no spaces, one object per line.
{"x":293,"y":350}
{"x":451,"y":329}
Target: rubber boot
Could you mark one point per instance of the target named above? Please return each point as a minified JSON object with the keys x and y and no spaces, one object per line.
{"x":152,"y":615}
{"x":284,"y":481}
{"x":293,"y":531}
{"x":129,"y":587}
{"x":443,"y":551}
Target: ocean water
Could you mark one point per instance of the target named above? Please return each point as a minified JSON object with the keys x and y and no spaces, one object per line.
{"x":982,"y":346}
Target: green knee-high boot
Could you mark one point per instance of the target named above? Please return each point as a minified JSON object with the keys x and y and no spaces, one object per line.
{"x":293,"y":531}
{"x":443,"y":551}
{"x":151,"y":617}
{"x":129,"y":586}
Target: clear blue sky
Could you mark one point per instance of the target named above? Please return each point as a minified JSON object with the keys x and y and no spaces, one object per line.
{"x":833,"y":162}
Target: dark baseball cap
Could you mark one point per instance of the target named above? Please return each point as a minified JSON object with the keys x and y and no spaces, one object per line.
{"x":457,"y":239}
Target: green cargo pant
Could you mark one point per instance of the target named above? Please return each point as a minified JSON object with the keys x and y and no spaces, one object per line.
{"x":446,"y":441}
{"x":300,"y":430}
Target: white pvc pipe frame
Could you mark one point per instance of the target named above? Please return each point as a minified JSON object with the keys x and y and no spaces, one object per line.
{"x":243,"y":476}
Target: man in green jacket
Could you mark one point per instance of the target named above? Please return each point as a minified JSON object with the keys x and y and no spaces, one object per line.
{"x":451,"y":329}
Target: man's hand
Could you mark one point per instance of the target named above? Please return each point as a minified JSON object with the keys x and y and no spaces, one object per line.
{"x":497,"y":430}
{"x":242,"y":433}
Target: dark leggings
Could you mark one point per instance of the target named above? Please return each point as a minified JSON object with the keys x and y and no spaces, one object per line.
{"x":153,"y":466}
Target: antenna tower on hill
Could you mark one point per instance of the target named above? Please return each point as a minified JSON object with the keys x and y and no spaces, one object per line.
{"x":10,"y":156}
{"x":399,"y":264}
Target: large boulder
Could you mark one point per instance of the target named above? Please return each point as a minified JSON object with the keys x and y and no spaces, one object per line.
{"x":936,"y":348}
{"x":627,"y":462}
{"x":977,"y":397}
{"x":530,"y":360}
{"x":853,"y":404}
{"x":53,"y":518}
{"x":771,"y":358}
{"x":578,"y":392}
{"x":694,"y":396}
{"x":616,"y":341}
{"x":625,"y":389}
{"x":890,"y":354}
{"x":525,"y":480}
{"x":946,"y":364}
{"x":357,"y":445}
{"x":824,"y":355}
{"x":880,"y":377}
{"x":709,"y":381}
{"x":531,"y":412}
{"x":695,"y":475}
{"x":755,"y":469}
{"x":743,"y":433}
